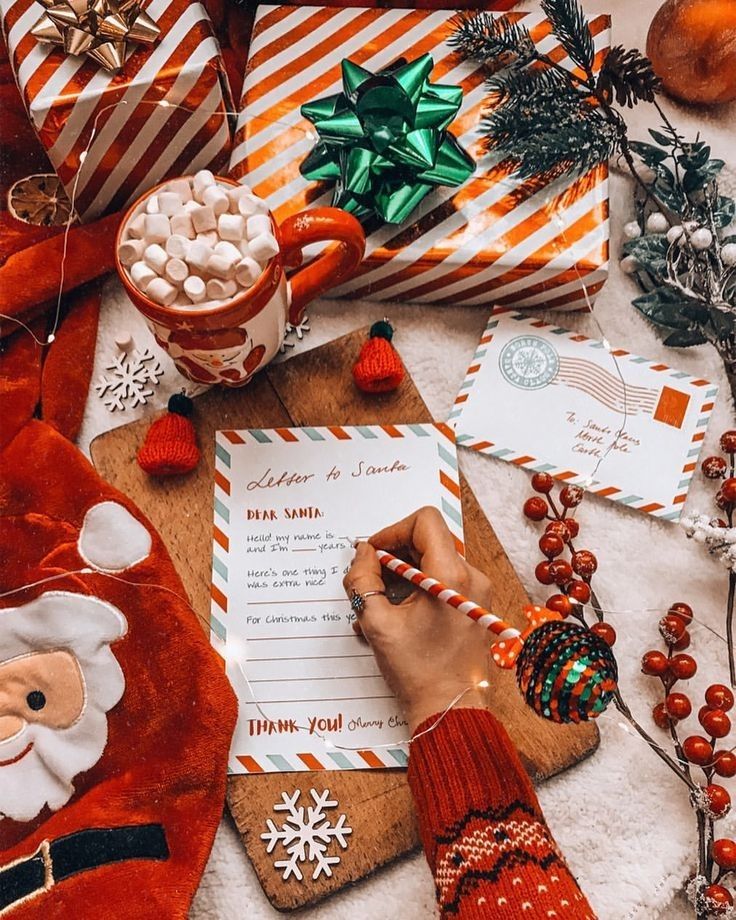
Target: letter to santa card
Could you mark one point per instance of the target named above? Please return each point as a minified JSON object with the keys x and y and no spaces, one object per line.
{"x":289,"y":502}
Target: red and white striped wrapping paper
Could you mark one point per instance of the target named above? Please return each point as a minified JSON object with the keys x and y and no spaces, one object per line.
{"x":137,"y":142}
{"x":494,"y":240}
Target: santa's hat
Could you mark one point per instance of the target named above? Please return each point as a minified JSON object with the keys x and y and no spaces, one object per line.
{"x":160,"y":780}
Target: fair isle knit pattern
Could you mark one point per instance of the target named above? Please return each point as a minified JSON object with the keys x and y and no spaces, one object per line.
{"x":485,"y":838}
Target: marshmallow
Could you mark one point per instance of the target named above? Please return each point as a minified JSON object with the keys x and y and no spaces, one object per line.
{"x":247,"y":271}
{"x":177,"y":246}
{"x":220,"y":266}
{"x":190,"y":206}
{"x":210,"y":238}
{"x":216,"y":198}
{"x":226,"y":249}
{"x":219,"y":290}
{"x":137,"y":227}
{"x":169,"y":203}
{"x":182,"y":188}
{"x":155,"y":257}
{"x":247,"y":206}
{"x":158,"y":229}
{"x":251,"y":204}
{"x":131,"y":251}
{"x":161,"y":291}
{"x":176,"y":271}
{"x":198,"y":255}
{"x":257,"y":225}
{"x":152,"y":205}
{"x":181,"y":225}
{"x":142,"y":275}
{"x":231,"y":226}
{"x":195,"y":289}
{"x":263,"y":247}
{"x":235,"y":194}
{"x":203,"y":219}
{"x":201,"y":181}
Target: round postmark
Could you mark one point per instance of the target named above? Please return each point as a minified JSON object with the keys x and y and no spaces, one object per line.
{"x":529,"y":362}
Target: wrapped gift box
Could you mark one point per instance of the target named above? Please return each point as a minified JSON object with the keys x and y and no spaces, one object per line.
{"x":496,"y":240}
{"x":140,"y":143}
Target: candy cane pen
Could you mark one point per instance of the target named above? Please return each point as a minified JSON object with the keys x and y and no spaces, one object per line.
{"x":509,"y":640}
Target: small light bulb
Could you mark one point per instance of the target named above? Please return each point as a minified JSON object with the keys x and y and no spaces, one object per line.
{"x":83,"y":156}
{"x":329,"y":745}
{"x":236,"y":649}
{"x":51,"y":338}
{"x":607,"y":345}
{"x":483,"y":684}
{"x":164,"y":103}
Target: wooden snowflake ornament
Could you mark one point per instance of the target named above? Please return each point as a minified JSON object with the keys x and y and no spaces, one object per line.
{"x":306,"y":834}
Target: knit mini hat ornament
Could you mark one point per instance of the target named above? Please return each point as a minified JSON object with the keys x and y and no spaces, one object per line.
{"x":378,"y":368}
{"x":170,"y":447}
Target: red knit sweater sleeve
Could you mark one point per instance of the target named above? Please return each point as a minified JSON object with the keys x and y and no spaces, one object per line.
{"x":484,"y":834}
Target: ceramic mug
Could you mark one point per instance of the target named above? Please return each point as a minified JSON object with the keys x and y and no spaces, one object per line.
{"x":228,"y":343}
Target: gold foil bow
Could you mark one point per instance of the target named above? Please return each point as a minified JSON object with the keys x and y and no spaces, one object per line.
{"x":101,"y":29}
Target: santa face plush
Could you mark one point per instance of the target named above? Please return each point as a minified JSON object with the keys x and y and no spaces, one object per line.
{"x":58,"y":680}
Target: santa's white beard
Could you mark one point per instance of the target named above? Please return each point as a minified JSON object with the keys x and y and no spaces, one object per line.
{"x":44,"y":776}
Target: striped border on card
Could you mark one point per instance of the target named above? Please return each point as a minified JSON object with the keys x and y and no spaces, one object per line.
{"x":226,"y":441}
{"x":367,"y":759}
{"x":703,"y":389}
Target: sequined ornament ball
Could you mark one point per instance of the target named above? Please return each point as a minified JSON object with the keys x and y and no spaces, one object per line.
{"x":566,"y":673}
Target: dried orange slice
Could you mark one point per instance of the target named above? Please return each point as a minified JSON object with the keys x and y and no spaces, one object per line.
{"x":40,"y":200}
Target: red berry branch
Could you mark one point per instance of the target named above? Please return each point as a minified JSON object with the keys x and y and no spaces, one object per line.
{"x":718,"y":534}
{"x":711,"y":800}
{"x":570,"y":571}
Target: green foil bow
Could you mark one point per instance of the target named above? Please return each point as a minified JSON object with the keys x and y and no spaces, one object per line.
{"x":384,"y":141}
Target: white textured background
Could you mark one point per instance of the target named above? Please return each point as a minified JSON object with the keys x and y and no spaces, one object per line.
{"x":621,"y":818}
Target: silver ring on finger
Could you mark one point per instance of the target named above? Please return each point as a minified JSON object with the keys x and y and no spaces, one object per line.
{"x":357,"y":600}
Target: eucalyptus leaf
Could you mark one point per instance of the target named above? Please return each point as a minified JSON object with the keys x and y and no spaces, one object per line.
{"x":662,"y":308}
{"x":697,"y":312}
{"x":695,"y":179}
{"x":646,"y":247}
{"x":685,"y":338}
{"x":724,"y":211}
{"x":650,"y":252}
{"x":669,"y":195}
{"x":722,"y":321}
{"x":662,"y":139}
{"x":650,"y":154}
{"x":694,"y":160}
{"x":693,"y":147}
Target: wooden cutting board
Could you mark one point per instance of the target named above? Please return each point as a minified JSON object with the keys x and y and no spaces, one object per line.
{"x":316,"y":388}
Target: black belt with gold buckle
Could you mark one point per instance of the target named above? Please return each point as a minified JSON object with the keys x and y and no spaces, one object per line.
{"x":55,"y":861}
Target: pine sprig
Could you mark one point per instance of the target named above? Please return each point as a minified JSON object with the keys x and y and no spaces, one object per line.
{"x":526,"y":84}
{"x":561,"y":133}
{"x":571,"y":28}
{"x":573,"y":111}
{"x":627,"y":77}
{"x":494,"y":40}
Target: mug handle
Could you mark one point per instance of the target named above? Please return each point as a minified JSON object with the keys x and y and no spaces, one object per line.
{"x":330,"y":268}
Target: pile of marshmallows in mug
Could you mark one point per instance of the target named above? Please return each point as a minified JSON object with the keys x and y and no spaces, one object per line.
{"x":196,"y":243}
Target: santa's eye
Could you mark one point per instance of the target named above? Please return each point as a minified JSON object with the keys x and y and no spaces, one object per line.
{"x":36,"y":700}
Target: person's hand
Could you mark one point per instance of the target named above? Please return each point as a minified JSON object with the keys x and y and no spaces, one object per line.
{"x":427,"y":651}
